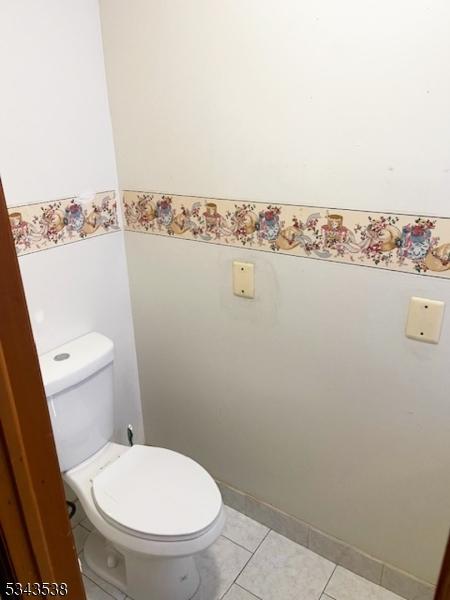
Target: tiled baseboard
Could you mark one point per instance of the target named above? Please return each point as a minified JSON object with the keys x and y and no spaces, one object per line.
{"x":351,"y":558}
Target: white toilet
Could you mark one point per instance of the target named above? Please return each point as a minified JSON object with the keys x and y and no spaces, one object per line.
{"x":153,"y":509}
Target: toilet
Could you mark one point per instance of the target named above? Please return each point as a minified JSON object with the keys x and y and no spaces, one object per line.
{"x":152,"y":508}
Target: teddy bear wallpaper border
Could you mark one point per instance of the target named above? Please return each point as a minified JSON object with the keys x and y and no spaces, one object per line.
{"x":46,"y":225}
{"x":398,"y":242}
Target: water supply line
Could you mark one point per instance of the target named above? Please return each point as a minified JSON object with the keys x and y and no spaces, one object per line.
{"x":130,"y":434}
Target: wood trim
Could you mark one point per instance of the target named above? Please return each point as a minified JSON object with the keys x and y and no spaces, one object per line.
{"x":21,"y":557}
{"x":443,"y":587}
{"x":43,"y":547}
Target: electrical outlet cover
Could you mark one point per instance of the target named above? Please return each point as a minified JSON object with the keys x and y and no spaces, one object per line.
{"x":244,"y":279}
{"x":425,"y":319}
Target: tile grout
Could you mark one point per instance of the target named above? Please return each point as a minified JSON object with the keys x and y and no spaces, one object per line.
{"x":252,"y":554}
{"x":90,"y":578}
{"x":323,"y":595}
{"x":238,"y":500}
{"x":238,"y":544}
{"x":262,"y":541}
{"x":246,"y":590}
{"x":100,"y":588}
{"x":234,"y":580}
{"x":383,"y":568}
{"x":329,"y":579}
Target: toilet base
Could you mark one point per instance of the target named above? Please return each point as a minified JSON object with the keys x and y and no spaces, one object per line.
{"x":142,"y":577}
{"x":96,"y":552}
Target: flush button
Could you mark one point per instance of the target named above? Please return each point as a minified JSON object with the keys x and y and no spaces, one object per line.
{"x":62,"y":356}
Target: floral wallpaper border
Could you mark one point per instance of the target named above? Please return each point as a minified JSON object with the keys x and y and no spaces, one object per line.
{"x":419,"y":245}
{"x":46,"y":225}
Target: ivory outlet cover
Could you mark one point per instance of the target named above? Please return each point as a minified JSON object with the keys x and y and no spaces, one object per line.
{"x":244,"y":279}
{"x":425,"y":319}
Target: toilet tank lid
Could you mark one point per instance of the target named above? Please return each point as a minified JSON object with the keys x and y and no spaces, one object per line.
{"x":75,"y":361}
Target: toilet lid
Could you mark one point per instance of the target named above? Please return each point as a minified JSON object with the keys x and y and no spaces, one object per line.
{"x":157,"y":493}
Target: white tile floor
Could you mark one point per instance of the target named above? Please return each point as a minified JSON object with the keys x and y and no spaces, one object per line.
{"x":251,"y":562}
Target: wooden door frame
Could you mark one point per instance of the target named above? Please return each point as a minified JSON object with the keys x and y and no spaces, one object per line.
{"x":34,"y":525}
{"x":443,"y":587}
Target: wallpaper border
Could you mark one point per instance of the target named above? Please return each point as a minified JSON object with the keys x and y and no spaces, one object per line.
{"x":417,"y":245}
{"x":44,"y":225}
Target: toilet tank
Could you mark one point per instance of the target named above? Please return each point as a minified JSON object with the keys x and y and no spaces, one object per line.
{"x":78,"y":381}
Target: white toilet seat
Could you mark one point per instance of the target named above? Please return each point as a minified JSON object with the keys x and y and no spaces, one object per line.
{"x":157,"y":494}
{"x":143,"y":567}
{"x":81,"y":478}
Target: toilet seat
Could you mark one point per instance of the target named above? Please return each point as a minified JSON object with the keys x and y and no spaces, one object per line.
{"x":157,"y":494}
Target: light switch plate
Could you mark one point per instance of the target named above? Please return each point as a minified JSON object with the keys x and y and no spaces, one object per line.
{"x":244,"y":279}
{"x":425,"y":319}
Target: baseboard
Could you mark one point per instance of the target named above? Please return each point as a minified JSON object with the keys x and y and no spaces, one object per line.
{"x":337,"y":551}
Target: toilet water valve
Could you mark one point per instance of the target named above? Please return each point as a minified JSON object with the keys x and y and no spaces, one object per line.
{"x":130,"y":434}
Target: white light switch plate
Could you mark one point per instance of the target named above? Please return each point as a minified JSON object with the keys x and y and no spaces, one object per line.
{"x":244,"y":279}
{"x":425,"y":319}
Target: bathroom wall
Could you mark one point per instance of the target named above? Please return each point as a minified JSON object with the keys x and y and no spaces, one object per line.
{"x":56,"y":142}
{"x":309,"y":397}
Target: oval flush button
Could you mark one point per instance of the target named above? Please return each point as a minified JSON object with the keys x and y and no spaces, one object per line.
{"x":62,"y":356}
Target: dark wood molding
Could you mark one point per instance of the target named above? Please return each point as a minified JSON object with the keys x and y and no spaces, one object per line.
{"x":443,"y":587}
{"x":33,"y":516}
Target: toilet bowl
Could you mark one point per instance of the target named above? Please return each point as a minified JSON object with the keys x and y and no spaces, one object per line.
{"x":152,"y":508}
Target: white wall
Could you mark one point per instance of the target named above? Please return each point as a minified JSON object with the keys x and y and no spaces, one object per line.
{"x":337,"y":104}
{"x":56,"y":141}
{"x":310,"y":397}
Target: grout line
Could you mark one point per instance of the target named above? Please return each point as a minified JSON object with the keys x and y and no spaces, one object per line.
{"x":238,"y":544}
{"x":248,"y":591}
{"x":234,"y":580}
{"x":240,"y":512}
{"x":99,"y":586}
{"x":101,"y":579}
{"x":246,"y":563}
{"x":234,"y":492}
{"x":102,"y":588}
{"x":329,"y":579}
{"x":262,"y":541}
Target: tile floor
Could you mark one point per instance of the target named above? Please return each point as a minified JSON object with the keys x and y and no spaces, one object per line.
{"x":251,"y":562}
